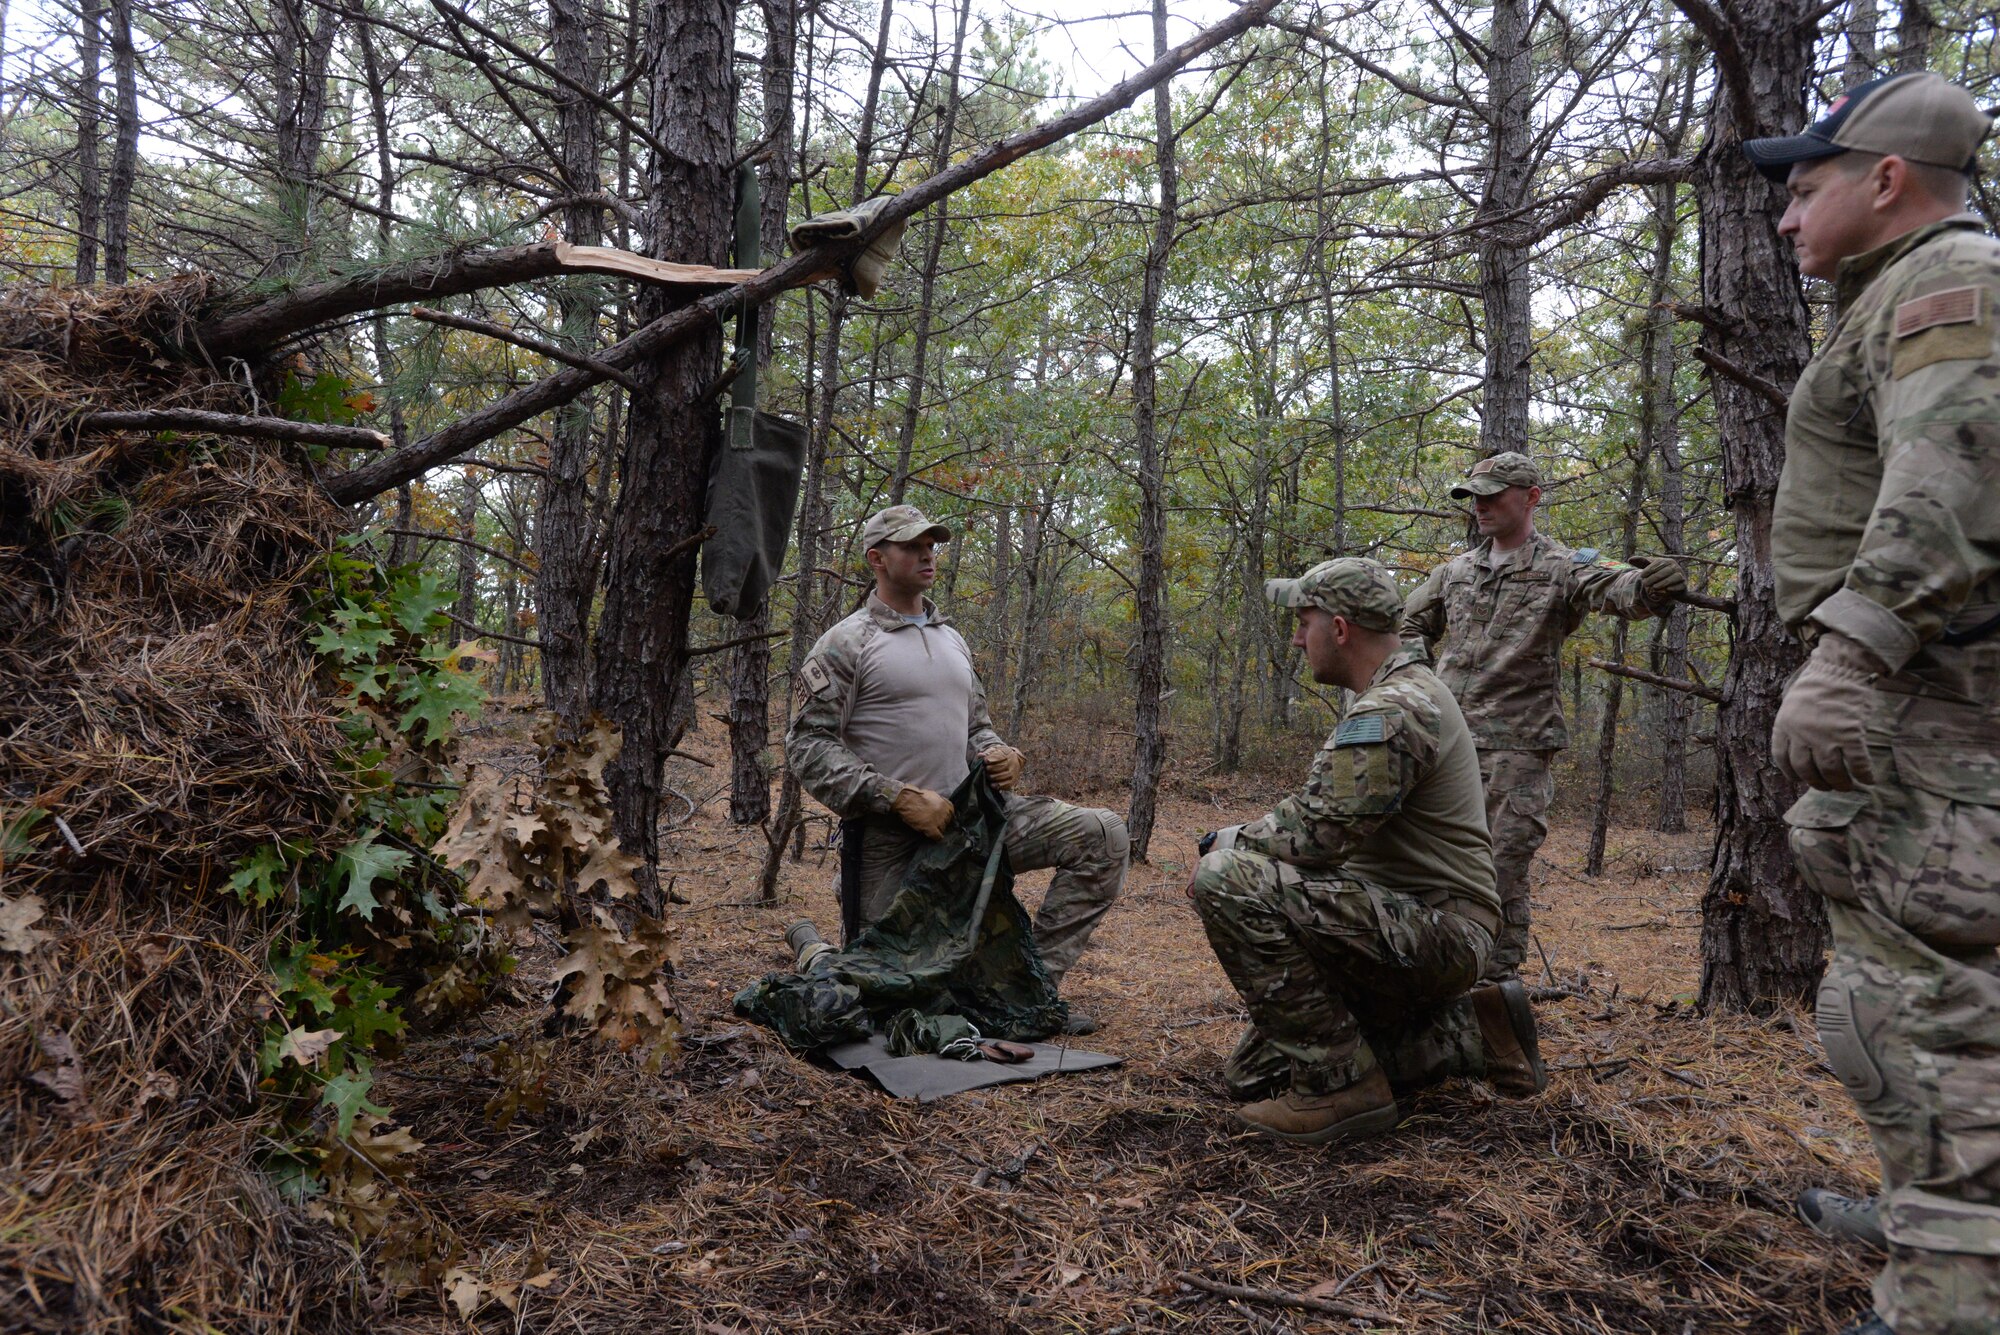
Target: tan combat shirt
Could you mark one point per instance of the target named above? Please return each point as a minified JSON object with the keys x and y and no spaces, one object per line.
{"x":1887,"y":522}
{"x":1498,"y":631}
{"x":887,"y":702}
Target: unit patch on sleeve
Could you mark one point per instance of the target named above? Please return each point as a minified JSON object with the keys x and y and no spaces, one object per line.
{"x":1952,"y":325}
{"x":818,"y":679}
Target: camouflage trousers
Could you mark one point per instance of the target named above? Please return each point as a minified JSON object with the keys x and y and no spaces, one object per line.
{"x":1519,"y":788}
{"x":1909,"y":1013}
{"x":1087,"y":846}
{"x":1340,"y":977}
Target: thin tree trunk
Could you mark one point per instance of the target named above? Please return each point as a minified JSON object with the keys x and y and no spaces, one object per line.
{"x":89,"y":129}
{"x":467,"y":607}
{"x":1860,"y":28}
{"x":1763,"y":934}
{"x":1034,"y":530}
{"x":808,"y":610}
{"x":566,"y":575}
{"x":401,"y":546}
{"x":750,"y":664}
{"x":641,"y":644}
{"x":1503,"y":260}
{"x":939,"y":220}
{"x":125,"y":148}
{"x":1671,"y":631}
{"x":1614,"y":690}
{"x":1149,"y":748}
{"x":304,"y":51}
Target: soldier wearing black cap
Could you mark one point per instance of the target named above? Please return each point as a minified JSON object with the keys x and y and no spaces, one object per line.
{"x":1885,"y":546}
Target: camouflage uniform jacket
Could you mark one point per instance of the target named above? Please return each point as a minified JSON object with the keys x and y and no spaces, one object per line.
{"x":1887,"y":523}
{"x":1393,"y":798}
{"x":825,"y":747}
{"x":1498,"y":634}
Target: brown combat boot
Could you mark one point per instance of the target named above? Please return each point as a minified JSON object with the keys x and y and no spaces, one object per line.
{"x":1365,"y":1108}
{"x":1507,"y":1029}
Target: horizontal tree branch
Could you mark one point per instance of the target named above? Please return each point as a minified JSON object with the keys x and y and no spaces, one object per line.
{"x":540,"y":347}
{"x":1279,"y":1298}
{"x":1655,"y":679}
{"x":264,"y":324}
{"x":236,"y":424}
{"x":647,"y":343}
{"x":1745,"y":377}
{"x":738,"y":642}
{"x":1726,"y":606}
{"x":482,"y":633}
{"x":429,"y":536}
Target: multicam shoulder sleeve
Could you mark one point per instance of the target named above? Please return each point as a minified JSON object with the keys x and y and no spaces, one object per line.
{"x":841,"y":780}
{"x":1358,"y":780}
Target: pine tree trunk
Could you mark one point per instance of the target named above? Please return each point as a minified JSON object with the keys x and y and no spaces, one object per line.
{"x":303,"y":49}
{"x":1503,"y":260}
{"x":89,"y":129}
{"x":125,"y":147}
{"x":1149,"y":747}
{"x":640,"y":651}
{"x":1763,"y":933}
{"x":566,"y":573}
{"x":466,"y":609}
{"x":1670,"y":636}
{"x":1614,"y":690}
{"x":402,"y":547}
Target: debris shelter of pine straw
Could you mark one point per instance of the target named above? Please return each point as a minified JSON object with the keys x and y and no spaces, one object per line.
{"x":747,"y":1190}
{"x":157,"y":698}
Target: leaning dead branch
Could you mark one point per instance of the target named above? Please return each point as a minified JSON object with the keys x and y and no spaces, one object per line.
{"x":235,"y":424}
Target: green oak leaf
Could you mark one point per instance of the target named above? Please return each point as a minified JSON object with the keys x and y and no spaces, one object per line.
{"x":362,"y":863}
{"x":259,"y":877}
{"x":347,"y":1095}
{"x":433,"y":697}
{"x":367,"y":1013}
{"x":420,"y":601}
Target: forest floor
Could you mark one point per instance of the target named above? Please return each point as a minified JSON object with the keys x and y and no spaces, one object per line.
{"x":744,"y":1190}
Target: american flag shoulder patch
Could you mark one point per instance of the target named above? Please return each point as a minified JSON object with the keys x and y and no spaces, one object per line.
{"x":1956,"y":305}
{"x":1364,"y":731}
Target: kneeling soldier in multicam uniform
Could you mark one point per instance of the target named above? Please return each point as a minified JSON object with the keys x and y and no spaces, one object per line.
{"x":1355,"y":917}
{"x":892,"y":718}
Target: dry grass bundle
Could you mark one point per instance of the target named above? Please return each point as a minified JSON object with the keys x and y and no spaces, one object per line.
{"x":158,"y":694}
{"x":158,"y":704}
{"x":128,"y":1132}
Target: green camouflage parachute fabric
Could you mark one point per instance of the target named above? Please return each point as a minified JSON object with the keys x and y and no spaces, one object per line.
{"x":955,"y":942}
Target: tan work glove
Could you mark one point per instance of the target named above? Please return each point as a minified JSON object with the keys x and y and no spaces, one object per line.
{"x":1003,"y":766}
{"x":1819,"y":739}
{"x":863,"y":276}
{"x":923,"y":811}
{"x":1661,"y":577}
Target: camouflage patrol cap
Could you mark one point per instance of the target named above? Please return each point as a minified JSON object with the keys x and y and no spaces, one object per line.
{"x":1354,"y":587}
{"x":1919,"y":116}
{"x":1495,"y":473}
{"x":901,"y":523}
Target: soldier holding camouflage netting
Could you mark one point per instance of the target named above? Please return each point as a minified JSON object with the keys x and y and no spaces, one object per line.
{"x":1357,"y":916}
{"x":1885,"y":545}
{"x":892,"y":718}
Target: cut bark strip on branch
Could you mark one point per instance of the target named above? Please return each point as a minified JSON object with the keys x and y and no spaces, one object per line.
{"x":805,"y":267}
{"x":268,"y":323}
{"x":540,"y":347}
{"x":1655,"y":679}
{"x":1745,"y":377}
{"x":1279,"y":1298}
{"x":236,"y":424}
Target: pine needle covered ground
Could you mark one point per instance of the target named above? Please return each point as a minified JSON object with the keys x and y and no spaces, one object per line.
{"x":746,"y":1191}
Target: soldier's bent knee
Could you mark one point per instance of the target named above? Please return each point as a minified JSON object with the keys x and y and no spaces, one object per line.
{"x":1117,"y":839}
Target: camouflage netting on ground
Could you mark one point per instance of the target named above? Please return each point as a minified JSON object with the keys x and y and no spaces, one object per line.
{"x":954,"y":942}
{"x":159,"y":710}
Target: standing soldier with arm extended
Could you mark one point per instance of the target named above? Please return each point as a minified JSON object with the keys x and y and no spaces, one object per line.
{"x":1497,"y":617}
{"x":1885,"y":544}
{"x":892,"y":718}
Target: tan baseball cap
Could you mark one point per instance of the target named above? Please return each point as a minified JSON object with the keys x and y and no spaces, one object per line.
{"x":1354,"y":587}
{"x":901,"y":523}
{"x":1497,"y":472}
{"x":1920,"y":116}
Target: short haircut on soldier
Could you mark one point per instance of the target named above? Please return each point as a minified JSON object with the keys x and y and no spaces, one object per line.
{"x":1947,"y":185}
